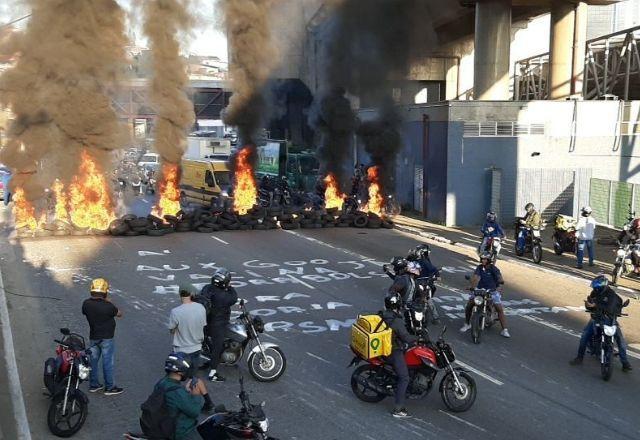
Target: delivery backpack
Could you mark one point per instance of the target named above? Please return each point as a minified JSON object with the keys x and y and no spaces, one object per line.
{"x":157,"y":422}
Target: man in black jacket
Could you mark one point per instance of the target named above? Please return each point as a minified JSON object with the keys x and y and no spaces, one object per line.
{"x":222,"y":297}
{"x":392,"y":316}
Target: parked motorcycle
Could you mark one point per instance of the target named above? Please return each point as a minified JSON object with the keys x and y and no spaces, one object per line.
{"x":483,"y":314}
{"x":623,"y":264}
{"x":532,"y":243}
{"x":603,"y":341}
{"x":564,"y":235}
{"x":62,"y":378}
{"x":266,"y":360}
{"x":377,"y":379}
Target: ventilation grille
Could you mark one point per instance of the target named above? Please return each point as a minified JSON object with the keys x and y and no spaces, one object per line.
{"x":502,"y":129}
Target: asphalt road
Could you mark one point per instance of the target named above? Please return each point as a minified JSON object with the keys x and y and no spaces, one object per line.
{"x":309,"y":286}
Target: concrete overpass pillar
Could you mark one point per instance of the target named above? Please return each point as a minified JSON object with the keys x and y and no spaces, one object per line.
{"x":492,"y":50}
{"x":565,"y":37}
{"x":579,"y":47}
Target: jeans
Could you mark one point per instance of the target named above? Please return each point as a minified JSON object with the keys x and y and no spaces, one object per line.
{"x":105,"y":349}
{"x":588,"y":332}
{"x":580,"y":253}
{"x":194,"y":361}
{"x":400,"y":367}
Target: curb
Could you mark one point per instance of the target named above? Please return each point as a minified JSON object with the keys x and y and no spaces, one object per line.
{"x":625,"y":291}
{"x":15,"y":390}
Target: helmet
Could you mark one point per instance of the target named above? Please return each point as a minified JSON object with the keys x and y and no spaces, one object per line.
{"x":599,"y":282}
{"x":413,"y":268}
{"x":529,"y":207}
{"x":392,"y":301}
{"x":491,"y":216}
{"x":221,"y":278}
{"x":99,"y":285}
{"x":176,"y":363}
{"x":399,"y":264}
{"x":586,"y":210}
{"x":485,"y":256}
{"x":422,"y":251}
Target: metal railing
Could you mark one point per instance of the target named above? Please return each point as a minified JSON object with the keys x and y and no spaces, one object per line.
{"x":611,"y":69}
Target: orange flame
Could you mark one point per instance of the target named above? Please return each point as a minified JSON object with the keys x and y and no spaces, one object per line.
{"x":169,"y":191}
{"x":23,"y":211}
{"x":244,"y":191}
{"x":376,"y":200}
{"x":61,"y":212}
{"x":333,"y":198}
{"x":90,"y":203}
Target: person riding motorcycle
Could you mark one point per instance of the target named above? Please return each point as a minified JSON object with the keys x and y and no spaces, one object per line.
{"x":602,"y":299}
{"x":222,"y":297}
{"x":487,"y":276}
{"x":532,"y":220}
{"x":491,"y":229}
{"x":421,"y":255}
{"x":404,"y":282}
{"x":401,"y":339}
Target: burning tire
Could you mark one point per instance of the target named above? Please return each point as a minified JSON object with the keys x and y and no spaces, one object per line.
{"x":118,"y":227}
{"x":290,"y":226}
{"x":360,"y":221}
{"x":232,"y":226}
{"x":139,"y":222}
{"x":246,"y":227}
{"x":132,"y":233}
{"x":205,"y":229}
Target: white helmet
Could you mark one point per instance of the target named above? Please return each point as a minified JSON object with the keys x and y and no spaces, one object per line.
{"x":586,"y":210}
{"x":413,"y":267}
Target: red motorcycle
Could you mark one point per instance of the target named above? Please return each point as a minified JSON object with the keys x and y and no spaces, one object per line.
{"x":62,"y":377}
{"x":377,"y":379}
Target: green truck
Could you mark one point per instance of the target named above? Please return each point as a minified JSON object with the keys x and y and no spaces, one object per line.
{"x":277,"y":158}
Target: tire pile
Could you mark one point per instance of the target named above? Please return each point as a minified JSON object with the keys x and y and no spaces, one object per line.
{"x":258,"y":218}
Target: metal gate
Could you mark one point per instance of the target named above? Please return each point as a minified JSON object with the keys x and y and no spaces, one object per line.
{"x":552,"y":191}
{"x":495,"y":191}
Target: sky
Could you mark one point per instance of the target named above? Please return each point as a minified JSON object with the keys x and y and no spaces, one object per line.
{"x":205,"y":39}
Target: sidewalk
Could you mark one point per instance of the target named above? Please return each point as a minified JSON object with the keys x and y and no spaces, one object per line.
{"x":604,"y":249}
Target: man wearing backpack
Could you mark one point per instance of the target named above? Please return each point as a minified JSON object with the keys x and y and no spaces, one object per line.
{"x":172,"y":410}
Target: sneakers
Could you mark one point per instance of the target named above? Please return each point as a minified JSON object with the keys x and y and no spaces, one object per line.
{"x":505,"y":333}
{"x":214,"y":376}
{"x":464,"y":328}
{"x":113,"y":391}
{"x":400,"y":413}
{"x":96,"y":389}
{"x":626,"y":367}
{"x":576,"y":361}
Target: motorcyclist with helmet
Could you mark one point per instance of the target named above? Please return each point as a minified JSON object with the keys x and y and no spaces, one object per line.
{"x":532,"y":220}
{"x":421,"y":254}
{"x":404,"y":279}
{"x":487,"y":276}
{"x":222,"y":297}
{"x":490,"y":229}
{"x":585,"y":231}
{"x":184,"y":401}
{"x":401,"y":339}
{"x":602,"y":299}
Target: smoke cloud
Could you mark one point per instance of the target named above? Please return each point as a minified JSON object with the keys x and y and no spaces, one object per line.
{"x":69,"y":56}
{"x":252,"y":57}
{"x":165,"y":19}
{"x":371,"y":43}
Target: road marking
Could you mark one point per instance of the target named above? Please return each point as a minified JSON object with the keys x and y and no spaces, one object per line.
{"x":145,"y":201}
{"x":304,"y":283}
{"x":315,"y":356}
{"x":346,"y":251}
{"x":219,"y":239}
{"x":15,"y":389}
{"x":463,"y":421}
{"x":479,"y":373}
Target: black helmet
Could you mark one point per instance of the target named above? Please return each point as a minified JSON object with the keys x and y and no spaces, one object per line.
{"x":176,"y":363}
{"x":423,"y":251}
{"x":485,"y":256}
{"x":399,"y":264}
{"x":221,"y":278}
{"x":392,"y":301}
{"x":491,"y":216}
{"x":529,"y":207}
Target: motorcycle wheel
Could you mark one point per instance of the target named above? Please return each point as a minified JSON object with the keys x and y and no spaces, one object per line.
{"x":360,"y":386}
{"x":617,"y":272}
{"x":66,"y":425}
{"x":269,"y":368}
{"x":458,"y":399}
{"x":557,"y":248}
{"x":519,"y":252}
{"x":606,"y":367}
{"x":536,"y":253}
{"x":476,"y":331}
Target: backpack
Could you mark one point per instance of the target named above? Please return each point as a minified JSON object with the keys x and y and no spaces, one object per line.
{"x":205,"y":301}
{"x":157,"y":422}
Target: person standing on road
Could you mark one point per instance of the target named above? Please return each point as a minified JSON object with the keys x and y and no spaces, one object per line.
{"x":101,"y":314}
{"x":221,"y":296}
{"x":401,"y":339}
{"x":487,"y":276}
{"x":186,"y":324}
{"x":585,"y":232}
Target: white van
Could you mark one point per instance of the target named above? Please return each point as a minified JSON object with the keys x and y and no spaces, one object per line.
{"x":150,"y":160}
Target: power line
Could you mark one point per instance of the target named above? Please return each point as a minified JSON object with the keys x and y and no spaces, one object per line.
{"x":14,"y":21}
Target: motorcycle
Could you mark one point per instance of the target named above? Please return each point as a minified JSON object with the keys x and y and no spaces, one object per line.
{"x":426,"y":290}
{"x":492,"y":246}
{"x":266,"y":360}
{"x":564,"y":235}
{"x":603,"y":341}
{"x":377,"y":379}
{"x":623,"y":264}
{"x":483,"y":314}
{"x":532,"y":241}
{"x":250,"y":422}
{"x":62,"y":378}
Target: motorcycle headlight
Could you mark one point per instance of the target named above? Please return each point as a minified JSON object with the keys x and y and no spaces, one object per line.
{"x":264,"y":425}
{"x":83,"y":371}
{"x":478,"y":300}
{"x":419,"y":316}
{"x":224,"y":193}
{"x":620,"y":253}
{"x":610,"y":330}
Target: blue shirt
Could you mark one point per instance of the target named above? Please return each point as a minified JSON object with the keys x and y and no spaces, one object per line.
{"x":427,"y":268}
{"x":490,"y":277}
{"x":497,"y":229}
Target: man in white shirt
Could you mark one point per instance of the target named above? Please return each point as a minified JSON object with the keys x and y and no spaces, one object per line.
{"x":585,"y":232}
{"x":186,"y":324}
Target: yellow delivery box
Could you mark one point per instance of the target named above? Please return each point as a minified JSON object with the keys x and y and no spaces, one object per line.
{"x":370,"y":337}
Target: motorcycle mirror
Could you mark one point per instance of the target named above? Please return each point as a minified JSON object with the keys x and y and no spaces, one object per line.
{"x":241,"y":302}
{"x":626,"y":303}
{"x":65,"y":331}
